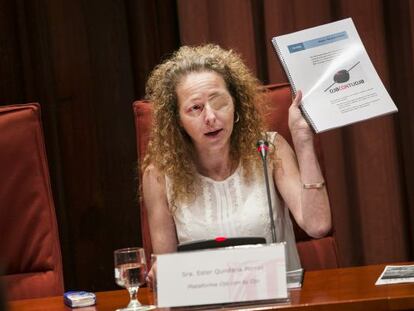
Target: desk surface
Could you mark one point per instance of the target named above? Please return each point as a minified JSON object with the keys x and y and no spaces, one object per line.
{"x":339,"y":289}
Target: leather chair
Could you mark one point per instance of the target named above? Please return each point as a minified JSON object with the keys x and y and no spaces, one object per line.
{"x":30,"y":258}
{"x":314,"y":253}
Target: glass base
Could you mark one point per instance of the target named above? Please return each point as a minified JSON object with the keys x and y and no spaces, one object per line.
{"x":137,"y":308}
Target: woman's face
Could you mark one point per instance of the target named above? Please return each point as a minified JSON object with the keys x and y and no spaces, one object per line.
{"x":206,"y":110}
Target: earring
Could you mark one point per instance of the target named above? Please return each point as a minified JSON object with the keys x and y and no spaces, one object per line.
{"x":237,"y":117}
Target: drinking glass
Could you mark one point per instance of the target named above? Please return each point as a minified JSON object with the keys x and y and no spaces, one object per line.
{"x":130,"y":272}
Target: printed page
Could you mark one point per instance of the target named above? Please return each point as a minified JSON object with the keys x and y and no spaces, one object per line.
{"x":396,"y":274}
{"x":339,"y":83}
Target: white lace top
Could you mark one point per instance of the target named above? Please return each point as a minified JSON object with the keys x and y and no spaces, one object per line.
{"x":234,"y":208}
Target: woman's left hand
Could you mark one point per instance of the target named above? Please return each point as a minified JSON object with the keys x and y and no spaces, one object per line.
{"x":150,"y":278}
{"x":298,"y":126}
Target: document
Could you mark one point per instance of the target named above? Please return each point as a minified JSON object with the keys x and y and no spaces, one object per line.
{"x":331,"y":67}
{"x":396,"y":274}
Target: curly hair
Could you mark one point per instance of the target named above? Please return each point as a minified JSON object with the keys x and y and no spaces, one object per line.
{"x":170,"y":148}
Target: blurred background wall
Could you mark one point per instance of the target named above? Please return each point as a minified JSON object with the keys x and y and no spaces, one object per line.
{"x":86,"y":61}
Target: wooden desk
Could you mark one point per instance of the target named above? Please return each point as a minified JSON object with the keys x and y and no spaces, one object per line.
{"x":335,"y":289}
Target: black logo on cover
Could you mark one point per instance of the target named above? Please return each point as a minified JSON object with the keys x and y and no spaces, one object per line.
{"x":342,"y":76}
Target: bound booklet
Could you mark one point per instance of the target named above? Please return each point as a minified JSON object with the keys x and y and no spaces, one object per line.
{"x":331,"y":67}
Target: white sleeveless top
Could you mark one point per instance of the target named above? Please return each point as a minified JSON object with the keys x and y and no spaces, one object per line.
{"x":234,"y":208}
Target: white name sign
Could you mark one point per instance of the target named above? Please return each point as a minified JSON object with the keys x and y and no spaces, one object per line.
{"x":233,"y":274}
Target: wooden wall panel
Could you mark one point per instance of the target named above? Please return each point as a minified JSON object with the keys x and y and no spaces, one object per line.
{"x":82,"y":61}
{"x":94,"y":90}
{"x":10,"y":55}
{"x":227,"y":23}
{"x":400,"y":17}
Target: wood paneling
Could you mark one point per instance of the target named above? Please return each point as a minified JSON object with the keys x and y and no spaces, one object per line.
{"x":10,"y":55}
{"x":82,"y":61}
{"x":399,"y":20}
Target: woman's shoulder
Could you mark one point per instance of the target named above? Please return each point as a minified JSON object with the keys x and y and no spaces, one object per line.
{"x":152,"y":173}
{"x":276,"y":138}
{"x":151,"y":169}
{"x":271,"y":136}
{"x":279,"y":144}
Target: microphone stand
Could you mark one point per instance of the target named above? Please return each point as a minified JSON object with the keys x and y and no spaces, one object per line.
{"x":262,"y":147}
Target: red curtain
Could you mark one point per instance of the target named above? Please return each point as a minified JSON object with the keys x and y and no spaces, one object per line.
{"x":368,"y":169}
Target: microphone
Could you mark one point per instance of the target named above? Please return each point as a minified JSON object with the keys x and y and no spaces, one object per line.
{"x":262,"y":148}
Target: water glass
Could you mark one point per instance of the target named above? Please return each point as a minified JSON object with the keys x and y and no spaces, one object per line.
{"x":130,"y":272}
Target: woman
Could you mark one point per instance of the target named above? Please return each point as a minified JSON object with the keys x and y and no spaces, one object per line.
{"x":202,"y":175}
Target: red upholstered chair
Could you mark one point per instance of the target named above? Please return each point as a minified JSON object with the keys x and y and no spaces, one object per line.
{"x":30,"y":258}
{"x":314,"y":253}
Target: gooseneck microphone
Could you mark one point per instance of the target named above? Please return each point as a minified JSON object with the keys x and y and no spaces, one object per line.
{"x":262,"y":148}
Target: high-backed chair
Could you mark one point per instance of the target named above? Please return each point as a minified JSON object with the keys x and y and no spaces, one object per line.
{"x":314,"y":253}
{"x":30,"y":258}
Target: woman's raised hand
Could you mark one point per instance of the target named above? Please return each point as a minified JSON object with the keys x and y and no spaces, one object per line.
{"x":298,"y":126}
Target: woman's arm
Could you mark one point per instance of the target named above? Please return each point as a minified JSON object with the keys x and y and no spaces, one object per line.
{"x":310,"y":207}
{"x":161,"y":222}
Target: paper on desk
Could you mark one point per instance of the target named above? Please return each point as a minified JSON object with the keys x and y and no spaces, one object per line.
{"x":396,"y":274}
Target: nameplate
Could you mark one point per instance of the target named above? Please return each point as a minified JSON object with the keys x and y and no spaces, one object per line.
{"x":227,"y":275}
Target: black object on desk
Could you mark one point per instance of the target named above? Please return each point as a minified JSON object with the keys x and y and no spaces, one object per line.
{"x":219,"y":242}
